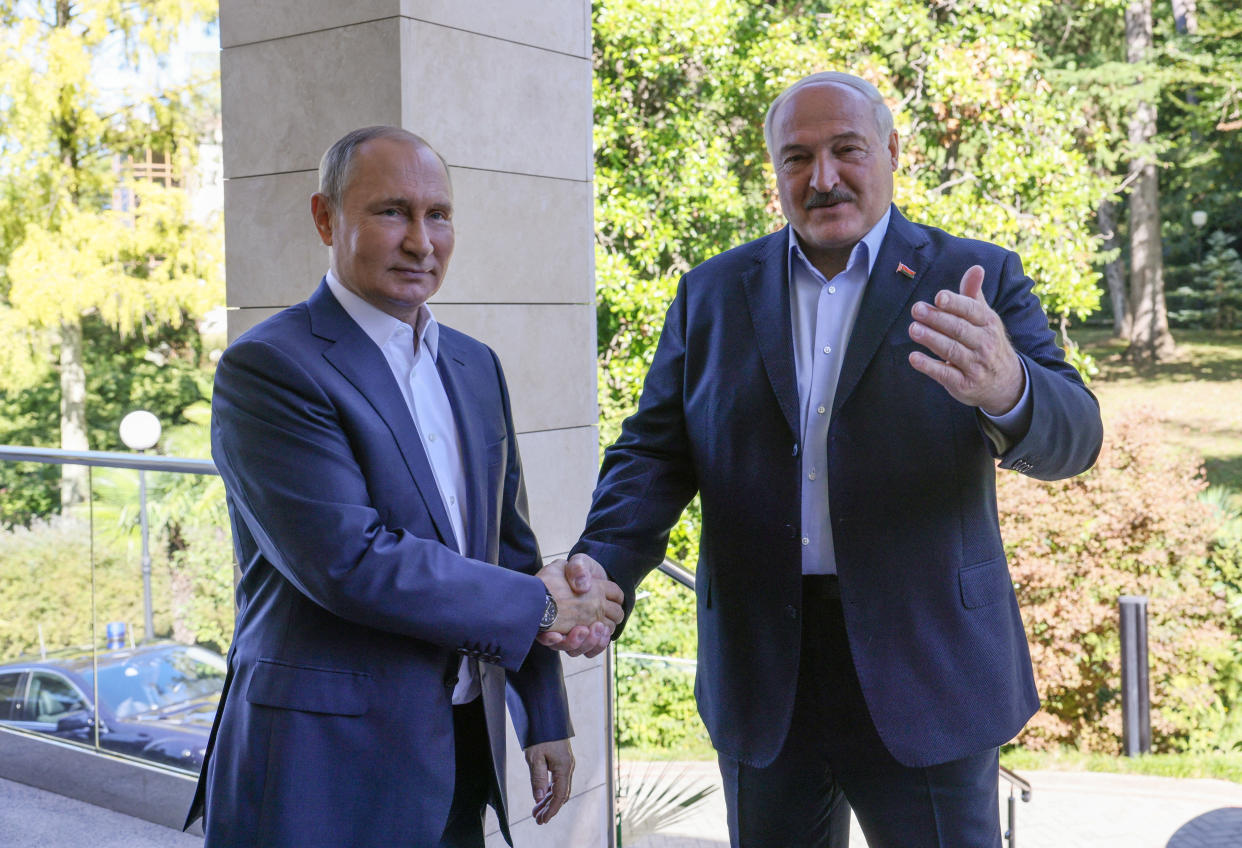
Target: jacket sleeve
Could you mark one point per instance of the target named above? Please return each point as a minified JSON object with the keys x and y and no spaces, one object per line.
{"x":1065,"y":432}
{"x":291,"y":474}
{"x":647,"y":477}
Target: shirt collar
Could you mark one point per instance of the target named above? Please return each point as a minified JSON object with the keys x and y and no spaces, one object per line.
{"x":871,"y":241}
{"x":381,"y":327}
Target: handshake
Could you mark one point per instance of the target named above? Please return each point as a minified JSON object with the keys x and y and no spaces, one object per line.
{"x":588,"y":606}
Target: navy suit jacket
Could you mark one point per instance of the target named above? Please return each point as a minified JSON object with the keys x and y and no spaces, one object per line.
{"x":354,"y":605}
{"x":929,"y":606}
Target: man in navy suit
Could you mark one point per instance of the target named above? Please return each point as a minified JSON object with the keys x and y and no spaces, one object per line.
{"x":859,"y":639}
{"x":390,"y":582}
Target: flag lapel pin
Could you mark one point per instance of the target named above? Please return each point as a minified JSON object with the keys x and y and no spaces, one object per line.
{"x":905,"y":270}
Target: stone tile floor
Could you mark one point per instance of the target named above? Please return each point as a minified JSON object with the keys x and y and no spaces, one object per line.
{"x":1066,"y":810}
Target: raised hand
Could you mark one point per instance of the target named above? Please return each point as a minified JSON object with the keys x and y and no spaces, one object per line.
{"x":588,"y":606}
{"x":977,"y":365}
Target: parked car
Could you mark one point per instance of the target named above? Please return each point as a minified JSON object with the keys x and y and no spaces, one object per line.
{"x":156,"y":701}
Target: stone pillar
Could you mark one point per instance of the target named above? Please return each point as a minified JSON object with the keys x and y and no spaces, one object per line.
{"x":503,"y":92}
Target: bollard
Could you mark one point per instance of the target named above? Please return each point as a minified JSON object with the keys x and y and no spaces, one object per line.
{"x":1135,"y":693}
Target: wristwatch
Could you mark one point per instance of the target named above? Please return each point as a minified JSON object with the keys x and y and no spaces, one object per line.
{"x":549,"y":612}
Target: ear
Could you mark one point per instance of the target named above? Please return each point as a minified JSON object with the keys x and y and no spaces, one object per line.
{"x":894,"y":148}
{"x":321,"y":212}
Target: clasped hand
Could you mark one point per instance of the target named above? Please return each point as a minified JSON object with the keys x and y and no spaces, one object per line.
{"x":588,"y":606}
{"x":977,"y":365}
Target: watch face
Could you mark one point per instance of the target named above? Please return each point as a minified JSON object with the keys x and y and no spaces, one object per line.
{"x":549,"y":614}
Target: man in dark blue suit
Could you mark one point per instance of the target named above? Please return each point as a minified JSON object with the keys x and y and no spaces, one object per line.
{"x":859,"y":637}
{"x":390,"y":582}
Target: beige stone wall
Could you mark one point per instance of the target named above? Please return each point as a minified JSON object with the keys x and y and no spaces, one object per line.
{"x":503,"y":91}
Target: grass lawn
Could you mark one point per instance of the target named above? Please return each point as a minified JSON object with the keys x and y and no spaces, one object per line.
{"x":1199,"y":395}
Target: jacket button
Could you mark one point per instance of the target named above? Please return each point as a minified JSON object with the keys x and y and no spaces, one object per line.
{"x":791,"y":532}
{"x":795,"y":449}
{"x":791,"y":612}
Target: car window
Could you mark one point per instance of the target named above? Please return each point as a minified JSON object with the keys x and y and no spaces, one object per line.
{"x":51,"y":697}
{"x":8,"y":693}
{"x":162,"y":680}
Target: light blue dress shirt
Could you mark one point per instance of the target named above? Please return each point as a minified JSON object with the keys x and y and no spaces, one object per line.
{"x":823,"y":313}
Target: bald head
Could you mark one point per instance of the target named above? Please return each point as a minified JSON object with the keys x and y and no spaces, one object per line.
{"x":883,"y":117}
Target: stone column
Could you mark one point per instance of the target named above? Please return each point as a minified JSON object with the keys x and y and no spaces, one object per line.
{"x":503,"y":92}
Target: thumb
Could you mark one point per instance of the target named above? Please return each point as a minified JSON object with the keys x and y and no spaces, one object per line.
{"x":972,"y":282}
{"x":578,"y":576}
{"x":539,"y":777}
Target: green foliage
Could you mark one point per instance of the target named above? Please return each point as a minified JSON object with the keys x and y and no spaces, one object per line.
{"x":1215,"y":301}
{"x":655,"y":706}
{"x":1132,"y":525}
{"x":87,"y":244}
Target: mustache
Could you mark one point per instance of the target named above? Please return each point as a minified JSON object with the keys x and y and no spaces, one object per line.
{"x":822,"y":198}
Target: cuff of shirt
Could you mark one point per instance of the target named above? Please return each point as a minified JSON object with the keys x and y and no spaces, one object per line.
{"x":1008,"y":429}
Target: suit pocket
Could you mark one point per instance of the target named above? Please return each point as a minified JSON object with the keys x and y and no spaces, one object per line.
{"x":985,"y":583}
{"x":310,"y":690}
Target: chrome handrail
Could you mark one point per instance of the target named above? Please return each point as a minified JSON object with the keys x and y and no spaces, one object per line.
{"x":107,"y":459}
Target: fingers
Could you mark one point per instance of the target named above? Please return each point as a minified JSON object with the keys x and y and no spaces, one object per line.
{"x":977,"y":364}
{"x":539,"y":779}
{"x":551,"y":777}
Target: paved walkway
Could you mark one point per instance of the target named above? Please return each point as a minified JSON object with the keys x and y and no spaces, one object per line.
{"x":1066,"y":810}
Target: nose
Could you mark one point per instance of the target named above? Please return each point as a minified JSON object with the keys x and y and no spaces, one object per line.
{"x":417,"y":242}
{"x":824,"y":176}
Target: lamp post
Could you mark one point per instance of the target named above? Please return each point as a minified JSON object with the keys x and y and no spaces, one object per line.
{"x":140,"y":430}
{"x":1199,"y":219}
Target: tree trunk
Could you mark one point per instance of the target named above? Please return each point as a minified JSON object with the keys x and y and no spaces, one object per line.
{"x":1114,"y":270}
{"x":1150,"y":339}
{"x":74,"y":479}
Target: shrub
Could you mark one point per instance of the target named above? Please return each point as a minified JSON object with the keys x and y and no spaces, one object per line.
{"x":1133,"y":524}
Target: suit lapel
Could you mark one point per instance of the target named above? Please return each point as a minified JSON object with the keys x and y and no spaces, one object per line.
{"x":455,"y":375}
{"x":361,"y":362}
{"x":767,"y":297}
{"x":888,"y":296}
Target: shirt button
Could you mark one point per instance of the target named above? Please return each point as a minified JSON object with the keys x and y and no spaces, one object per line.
{"x":827,"y":348}
{"x":805,"y":540}
{"x":811,"y":476}
{"x":431,"y":437}
{"x":821,"y":410}
{"x":832,"y":290}
{"x":452,"y":501}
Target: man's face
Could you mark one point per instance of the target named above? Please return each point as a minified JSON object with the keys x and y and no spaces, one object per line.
{"x":833,"y":171}
{"x":392,"y":236}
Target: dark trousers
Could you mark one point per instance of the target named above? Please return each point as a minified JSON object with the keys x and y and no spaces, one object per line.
{"x":833,"y":760}
{"x":475,"y":781}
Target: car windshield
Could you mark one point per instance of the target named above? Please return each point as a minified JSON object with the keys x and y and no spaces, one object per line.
{"x":156,"y":681}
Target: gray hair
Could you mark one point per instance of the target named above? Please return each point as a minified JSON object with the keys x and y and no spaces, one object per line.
{"x":336,"y":163}
{"x":883,"y":117}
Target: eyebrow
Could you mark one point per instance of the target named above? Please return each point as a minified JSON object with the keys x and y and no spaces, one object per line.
{"x":404,"y":203}
{"x":848,"y":135}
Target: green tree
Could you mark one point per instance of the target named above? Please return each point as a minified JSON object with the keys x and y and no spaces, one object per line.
{"x":82,"y":240}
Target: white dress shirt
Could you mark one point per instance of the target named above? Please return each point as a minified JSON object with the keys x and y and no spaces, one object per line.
{"x":414,"y":368}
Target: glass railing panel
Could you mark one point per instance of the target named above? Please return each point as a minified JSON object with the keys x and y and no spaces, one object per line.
{"x":116,"y":611}
{"x":45,"y":600}
{"x":163,"y":612}
{"x":666,"y":768}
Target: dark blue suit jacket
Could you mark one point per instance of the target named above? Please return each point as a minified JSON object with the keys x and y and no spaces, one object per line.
{"x":930,"y":610}
{"x":354,"y":606}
